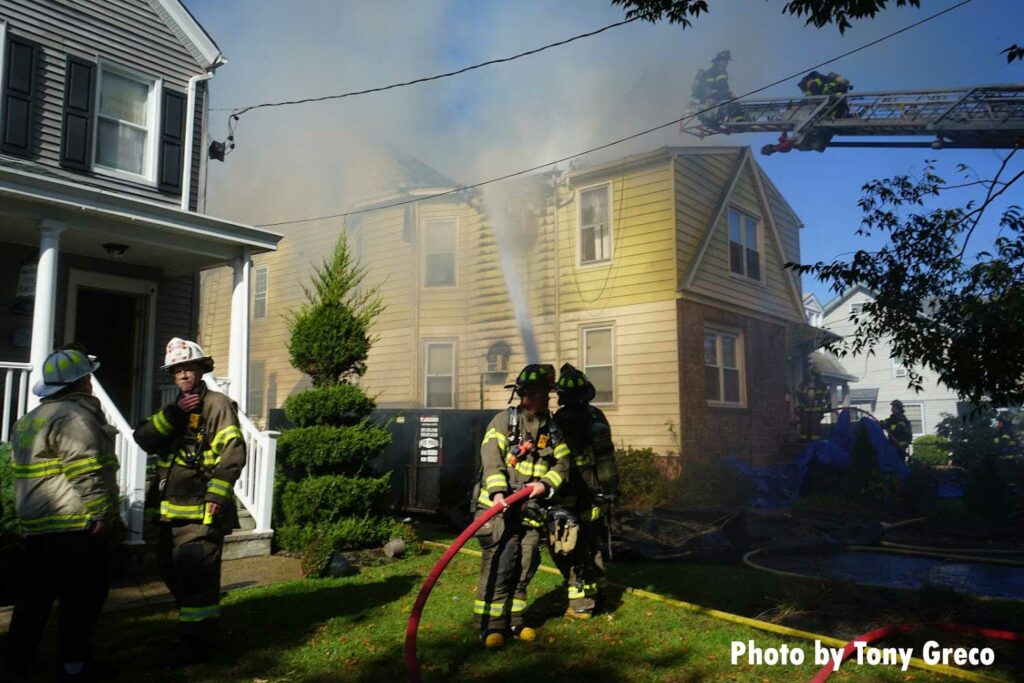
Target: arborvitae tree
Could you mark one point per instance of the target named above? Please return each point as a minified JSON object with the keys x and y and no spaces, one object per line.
{"x":328,"y":488}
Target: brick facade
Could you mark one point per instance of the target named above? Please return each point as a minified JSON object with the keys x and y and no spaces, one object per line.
{"x":762,"y":429}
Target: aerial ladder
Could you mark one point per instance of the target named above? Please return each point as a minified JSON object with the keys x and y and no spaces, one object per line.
{"x":987,"y":117}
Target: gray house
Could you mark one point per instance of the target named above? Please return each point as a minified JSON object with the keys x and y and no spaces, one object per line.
{"x":103,"y":109}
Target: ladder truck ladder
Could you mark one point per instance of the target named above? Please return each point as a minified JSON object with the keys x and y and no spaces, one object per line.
{"x":987,"y":117}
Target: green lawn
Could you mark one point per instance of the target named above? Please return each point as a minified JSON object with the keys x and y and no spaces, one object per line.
{"x":352,"y":629}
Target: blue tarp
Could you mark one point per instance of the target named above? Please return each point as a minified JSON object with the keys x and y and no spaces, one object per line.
{"x":835,"y":451}
{"x":776,"y":484}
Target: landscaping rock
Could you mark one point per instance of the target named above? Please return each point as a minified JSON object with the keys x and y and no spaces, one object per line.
{"x":339,"y":566}
{"x":395,"y":548}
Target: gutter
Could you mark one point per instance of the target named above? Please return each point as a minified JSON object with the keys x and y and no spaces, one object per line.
{"x":190,"y":126}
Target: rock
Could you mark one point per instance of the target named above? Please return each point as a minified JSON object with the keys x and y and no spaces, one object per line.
{"x":394,"y":548}
{"x":339,"y":566}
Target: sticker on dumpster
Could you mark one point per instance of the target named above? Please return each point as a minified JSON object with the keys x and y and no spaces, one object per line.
{"x":429,"y":439}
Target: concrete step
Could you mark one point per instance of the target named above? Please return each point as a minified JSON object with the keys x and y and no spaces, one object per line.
{"x":245,"y":519}
{"x":244,"y":543}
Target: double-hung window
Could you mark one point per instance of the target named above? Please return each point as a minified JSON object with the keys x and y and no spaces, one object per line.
{"x":595,"y":224}
{"x":126,"y":123}
{"x":259,"y":293}
{"x":257,"y":390}
{"x":723,"y":367}
{"x":744,"y":246}
{"x":439,"y":374}
{"x":440,"y":249}
{"x":599,"y":362}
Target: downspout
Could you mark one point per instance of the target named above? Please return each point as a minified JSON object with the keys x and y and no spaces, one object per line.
{"x":558,"y":282}
{"x":190,"y":128}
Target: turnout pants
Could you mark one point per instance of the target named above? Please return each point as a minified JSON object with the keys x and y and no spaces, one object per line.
{"x":583,"y":567}
{"x":189,"y":562}
{"x":511,"y":554}
{"x":72,"y":568}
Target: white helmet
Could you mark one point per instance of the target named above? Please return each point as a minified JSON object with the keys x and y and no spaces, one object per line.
{"x":62,"y":369}
{"x":181,"y":351}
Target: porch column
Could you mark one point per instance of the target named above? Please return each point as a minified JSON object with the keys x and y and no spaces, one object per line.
{"x":45,"y":300}
{"x":238,"y":351}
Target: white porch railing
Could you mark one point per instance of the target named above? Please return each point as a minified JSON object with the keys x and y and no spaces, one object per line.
{"x":14,"y":380}
{"x":131,"y":477}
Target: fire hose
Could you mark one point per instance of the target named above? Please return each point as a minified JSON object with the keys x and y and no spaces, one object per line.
{"x":870,"y":637}
{"x":412,"y":664}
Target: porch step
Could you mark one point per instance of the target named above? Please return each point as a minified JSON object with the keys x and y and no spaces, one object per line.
{"x":245,"y":519}
{"x":241,"y":543}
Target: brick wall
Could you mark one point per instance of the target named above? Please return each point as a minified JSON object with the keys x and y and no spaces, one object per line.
{"x":760,"y":431}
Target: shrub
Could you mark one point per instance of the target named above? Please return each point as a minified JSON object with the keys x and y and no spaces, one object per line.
{"x":709,"y":481}
{"x":327,"y":499}
{"x":986,"y":495}
{"x":335,"y":405}
{"x":329,"y":343}
{"x":9,"y":524}
{"x":351,"y":533}
{"x":931,"y":450}
{"x":640,"y":480}
{"x":971,"y":437}
{"x":863,"y":466}
{"x":311,"y":451}
{"x":921,"y":487}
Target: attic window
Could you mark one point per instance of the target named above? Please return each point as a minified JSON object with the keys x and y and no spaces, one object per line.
{"x":744,"y":252}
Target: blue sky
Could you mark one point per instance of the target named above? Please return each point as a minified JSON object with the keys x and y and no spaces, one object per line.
{"x":306,"y":160}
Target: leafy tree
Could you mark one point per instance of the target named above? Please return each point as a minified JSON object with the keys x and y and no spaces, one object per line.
{"x":818,"y":13}
{"x":961,"y":318}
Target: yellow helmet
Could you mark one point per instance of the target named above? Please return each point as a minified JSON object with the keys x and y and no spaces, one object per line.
{"x":63,"y":368}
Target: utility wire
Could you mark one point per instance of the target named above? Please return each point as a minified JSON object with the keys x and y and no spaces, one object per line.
{"x":236,"y":112}
{"x":673,"y":122}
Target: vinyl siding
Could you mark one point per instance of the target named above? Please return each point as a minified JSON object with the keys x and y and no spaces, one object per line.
{"x":126,"y":32}
{"x":773,"y":294}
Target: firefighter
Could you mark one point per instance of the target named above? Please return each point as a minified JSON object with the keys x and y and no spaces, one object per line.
{"x":522,"y":448}
{"x":812,"y":84}
{"x":1005,"y":438}
{"x":579,"y":517}
{"x":201,"y":452}
{"x":711,"y":88}
{"x":899,"y":428}
{"x":814,"y":400}
{"x":66,"y":498}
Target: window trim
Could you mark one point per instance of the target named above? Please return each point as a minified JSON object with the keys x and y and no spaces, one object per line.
{"x":265,"y":269}
{"x":603,"y":263}
{"x":759,"y":227}
{"x":455,"y":260}
{"x":599,"y":327}
{"x":741,"y":362}
{"x":152,"y":147}
{"x":453,"y":345}
{"x":249,"y":385}
{"x":856,"y":303}
{"x":924,"y":429}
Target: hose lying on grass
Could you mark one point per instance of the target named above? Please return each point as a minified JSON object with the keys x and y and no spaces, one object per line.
{"x":412,"y":664}
{"x":769,"y":627}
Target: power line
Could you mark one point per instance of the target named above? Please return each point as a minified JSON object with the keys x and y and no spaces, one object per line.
{"x":674,"y":122}
{"x":239,"y":111}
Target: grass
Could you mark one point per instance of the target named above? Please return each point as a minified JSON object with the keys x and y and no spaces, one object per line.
{"x":352,"y":629}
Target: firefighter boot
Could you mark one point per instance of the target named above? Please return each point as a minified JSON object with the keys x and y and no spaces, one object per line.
{"x":579,"y":614}
{"x":524,"y":633}
{"x":494,"y":640}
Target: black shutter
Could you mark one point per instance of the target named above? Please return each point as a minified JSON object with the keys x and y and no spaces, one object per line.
{"x":172,"y":142}
{"x":79,"y":114}
{"x":19,"y":79}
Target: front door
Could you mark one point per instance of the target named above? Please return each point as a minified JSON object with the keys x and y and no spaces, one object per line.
{"x":111,"y":317}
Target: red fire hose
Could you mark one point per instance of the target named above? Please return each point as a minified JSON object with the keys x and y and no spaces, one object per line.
{"x":826,"y":671}
{"x":412,"y":664}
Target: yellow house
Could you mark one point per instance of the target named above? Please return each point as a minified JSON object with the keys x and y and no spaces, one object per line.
{"x":660,"y":275}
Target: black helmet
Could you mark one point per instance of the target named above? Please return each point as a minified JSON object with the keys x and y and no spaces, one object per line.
{"x":723,"y":56}
{"x":534,"y":376}
{"x":573,"y":386}
{"x":897,"y":404}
